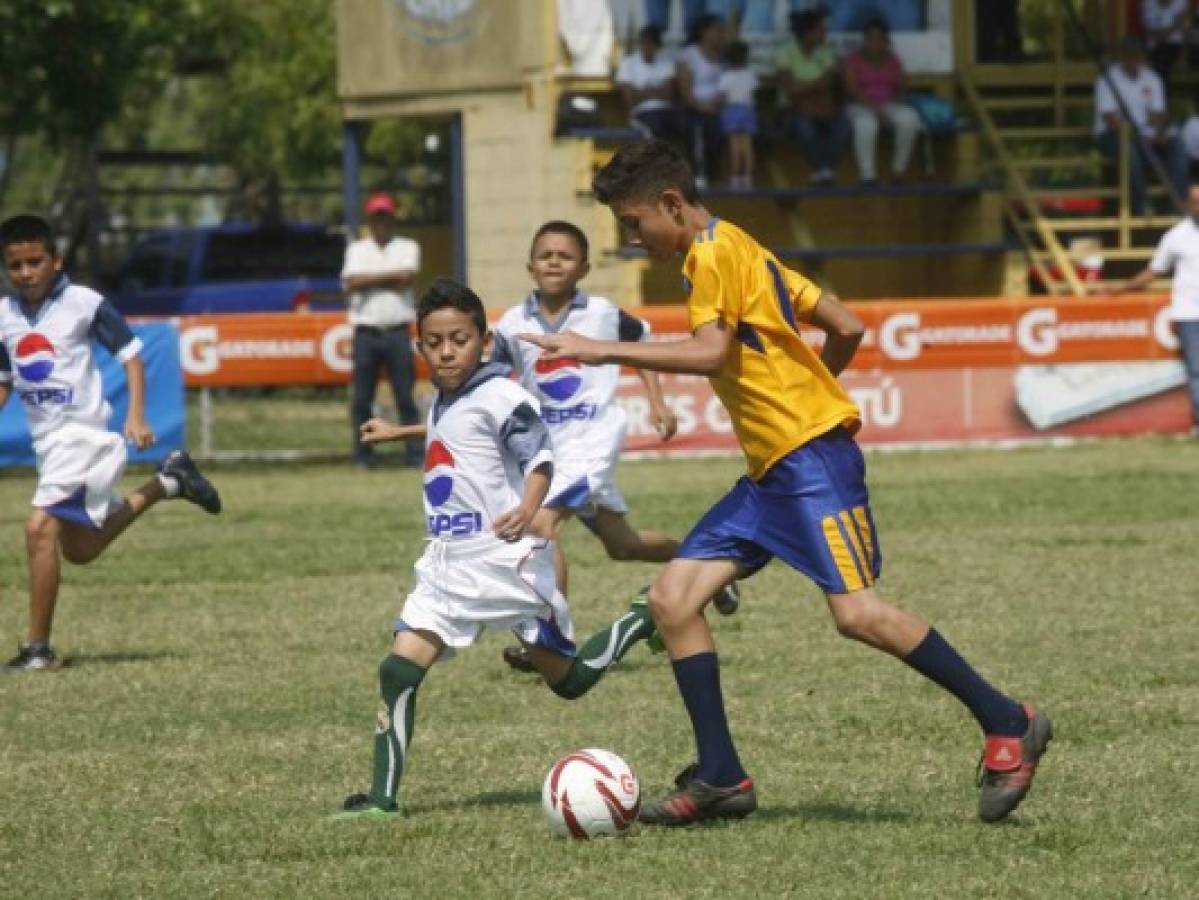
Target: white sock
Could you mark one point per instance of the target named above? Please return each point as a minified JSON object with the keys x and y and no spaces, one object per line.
{"x":170,"y":485}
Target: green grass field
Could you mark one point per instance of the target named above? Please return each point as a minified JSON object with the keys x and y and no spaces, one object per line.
{"x":221,"y":701}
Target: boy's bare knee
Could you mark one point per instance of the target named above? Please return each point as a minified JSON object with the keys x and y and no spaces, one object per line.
{"x":620,"y":551}
{"x":41,"y":530}
{"x":857,"y":618}
{"x":667,"y":605}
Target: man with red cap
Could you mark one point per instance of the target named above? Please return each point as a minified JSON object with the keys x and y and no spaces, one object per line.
{"x":378,"y":274}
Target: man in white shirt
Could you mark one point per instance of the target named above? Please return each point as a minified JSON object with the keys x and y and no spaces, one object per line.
{"x":646,"y":78}
{"x":378,"y":274}
{"x":1141,"y":90}
{"x":1178,"y":252}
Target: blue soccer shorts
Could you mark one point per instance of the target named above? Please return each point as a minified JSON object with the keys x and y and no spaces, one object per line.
{"x":811,"y":510}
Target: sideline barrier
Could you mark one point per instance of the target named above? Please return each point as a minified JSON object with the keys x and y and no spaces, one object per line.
{"x":928,"y":371}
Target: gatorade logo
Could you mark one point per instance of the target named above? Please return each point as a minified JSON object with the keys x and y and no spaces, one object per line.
{"x":558,"y":379}
{"x":35,"y":358}
{"x":439,"y":473}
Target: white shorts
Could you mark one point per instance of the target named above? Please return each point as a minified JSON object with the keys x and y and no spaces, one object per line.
{"x":585,"y":486}
{"x":78,"y":469}
{"x":467,"y":585}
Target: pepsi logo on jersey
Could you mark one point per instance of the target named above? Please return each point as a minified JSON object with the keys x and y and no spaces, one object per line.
{"x":35,"y":357}
{"x":558,"y":379}
{"x":439,"y":485}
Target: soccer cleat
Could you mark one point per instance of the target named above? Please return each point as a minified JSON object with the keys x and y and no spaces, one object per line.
{"x":34,"y":658}
{"x":694,"y":801}
{"x":1008,"y":765}
{"x":727,"y":599}
{"x":193,"y":485}
{"x":361,"y":806}
{"x":517,"y":658}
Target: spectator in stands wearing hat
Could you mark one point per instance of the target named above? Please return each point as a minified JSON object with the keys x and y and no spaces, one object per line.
{"x":1143,"y":96}
{"x":1165,"y":24}
{"x":809,"y":83}
{"x":646,"y":78}
{"x":699,"y":70}
{"x":378,"y":274}
{"x":875,"y":81}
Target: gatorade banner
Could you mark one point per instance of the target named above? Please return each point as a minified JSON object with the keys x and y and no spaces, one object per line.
{"x":164,"y":399}
{"x":927,"y":370}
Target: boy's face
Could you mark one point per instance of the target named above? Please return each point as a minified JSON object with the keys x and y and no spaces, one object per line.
{"x":557,"y":264}
{"x":659,"y":227}
{"x":31,"y":268}
{"x":452,"y":345}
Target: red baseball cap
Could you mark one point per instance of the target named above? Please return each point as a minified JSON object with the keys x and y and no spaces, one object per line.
{"x":380,"y":203}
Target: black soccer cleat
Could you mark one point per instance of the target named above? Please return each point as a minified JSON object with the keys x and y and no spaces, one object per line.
{"x":727,"y":599}
{"x":1008,"y":765}
{"x":517,"y":658}
{"x":193,"y":486}
{"x":361,"y":806}
{"x":34,"y":658}
{"x":695,"y":801}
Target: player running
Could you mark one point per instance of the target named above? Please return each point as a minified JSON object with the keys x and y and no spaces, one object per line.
{"x":578,"y":407}
{"x":46,"y":332}
{"x":804,"y":499}
{"x":488,"y":466}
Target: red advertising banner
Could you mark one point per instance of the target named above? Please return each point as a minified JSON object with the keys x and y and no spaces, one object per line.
{"x":927,"y":371}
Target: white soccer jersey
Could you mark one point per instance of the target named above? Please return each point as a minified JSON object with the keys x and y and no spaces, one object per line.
{"x":46,"y":354}
{"x":482,"y":440}
{"x":576,"y":400}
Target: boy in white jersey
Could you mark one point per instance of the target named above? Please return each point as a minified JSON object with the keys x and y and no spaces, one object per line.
{"x":488,"y":466}
{"x":578,"y":406}
{"x":46,"y":359}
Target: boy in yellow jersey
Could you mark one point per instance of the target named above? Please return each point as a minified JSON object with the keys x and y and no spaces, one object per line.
{"x":804,"y":499}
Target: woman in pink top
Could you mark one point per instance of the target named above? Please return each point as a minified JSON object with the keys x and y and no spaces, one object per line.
{"x":875,"y":81}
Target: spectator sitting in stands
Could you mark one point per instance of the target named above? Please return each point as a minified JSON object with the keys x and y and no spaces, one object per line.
{"x":875,"y":80}
{"x":1141,"y":90}
{"x":699,"y":71}
{"x":657,"y":13}
{"x":738,"y":116}
{"x":1165,"y":23}
{"x":1189,"y":135}
{"x":646,"y":78}
{"x":809,"y":80}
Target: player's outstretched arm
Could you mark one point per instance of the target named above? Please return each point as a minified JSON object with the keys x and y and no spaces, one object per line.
{"x":701,"y":354}
{"x":661,"y":416}
{"x":379,"y":431}
{"x":137,"y":432}
{"x":513,"y":524}
{"x":843,"y":330}
{"x":5,"y":391}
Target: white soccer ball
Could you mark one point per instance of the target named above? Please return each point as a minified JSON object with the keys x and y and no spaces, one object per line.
{"x":590,"y":793}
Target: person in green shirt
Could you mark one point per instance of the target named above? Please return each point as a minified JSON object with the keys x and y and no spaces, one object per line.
{"x":810,"y":86}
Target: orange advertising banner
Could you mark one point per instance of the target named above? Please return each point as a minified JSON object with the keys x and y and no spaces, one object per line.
{"x":314,"y":348}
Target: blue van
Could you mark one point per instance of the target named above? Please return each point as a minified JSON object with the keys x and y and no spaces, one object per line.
{"x":232,"y":269}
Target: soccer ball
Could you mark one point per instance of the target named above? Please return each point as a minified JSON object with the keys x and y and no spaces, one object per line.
{"x":590,"y":793}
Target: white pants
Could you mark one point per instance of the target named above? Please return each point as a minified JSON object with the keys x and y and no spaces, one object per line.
{"x":866,"y":120}
{"x":466,"y":585}
{"x":586,"y":485}
{"x":78,"y":470}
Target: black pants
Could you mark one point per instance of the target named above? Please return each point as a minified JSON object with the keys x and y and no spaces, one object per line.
{"x":706,"y":141}
{"x":375,"y":349}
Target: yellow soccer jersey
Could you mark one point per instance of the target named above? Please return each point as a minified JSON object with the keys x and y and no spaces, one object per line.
{"x":776,"y":389}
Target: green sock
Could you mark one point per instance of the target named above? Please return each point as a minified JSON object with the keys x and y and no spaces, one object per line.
{"x":603,"y":650}
{"x":398,"y":680}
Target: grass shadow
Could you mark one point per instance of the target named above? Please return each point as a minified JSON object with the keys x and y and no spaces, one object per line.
{"x":115,"y":659}
{"x":486,"y":799}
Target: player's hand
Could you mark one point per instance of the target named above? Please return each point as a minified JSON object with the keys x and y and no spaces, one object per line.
{"x":664,"y":421}
{"x":513,"y":524}
{"x":138,"y":433}
{"x":566,"y":345}
{"x":378,"y":431}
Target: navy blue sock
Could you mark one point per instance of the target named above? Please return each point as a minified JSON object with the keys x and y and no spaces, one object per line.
{"x":698,"y":678}
{"x":996,"y":713}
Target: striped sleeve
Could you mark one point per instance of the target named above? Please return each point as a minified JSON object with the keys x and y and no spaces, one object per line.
{"x":526,"y":439}
{"x":5,"y":365}
{"x":111,"y":331}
